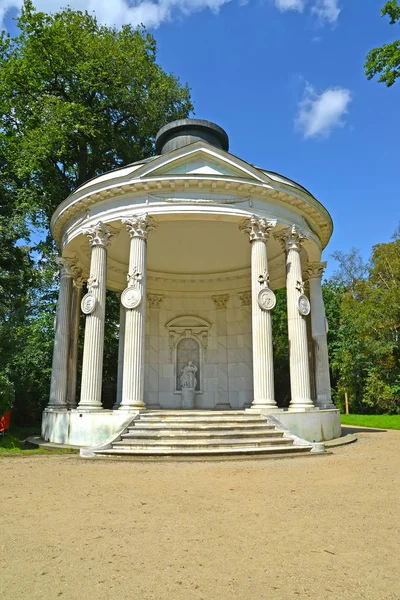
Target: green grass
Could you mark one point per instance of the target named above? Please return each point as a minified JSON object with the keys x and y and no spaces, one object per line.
{"x":12,"y":444}
{"x":377,"y":421}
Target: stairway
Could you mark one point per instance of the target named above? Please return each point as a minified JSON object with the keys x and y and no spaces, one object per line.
{"x":201,"y":433}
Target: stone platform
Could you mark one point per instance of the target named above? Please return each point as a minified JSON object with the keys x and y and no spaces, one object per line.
{"x":94,"y":428}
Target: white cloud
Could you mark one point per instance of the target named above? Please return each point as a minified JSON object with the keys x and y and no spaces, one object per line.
{"x":284,"y":5}
{"x":327,"y":10}
{"x":154,"y":12}
{"x":320,"y":113}
{"x":119,"y":12}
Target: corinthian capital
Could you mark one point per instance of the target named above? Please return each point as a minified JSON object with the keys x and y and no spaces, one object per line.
{"x":258,"y":228}
{"x":66,"y":266}
{"x":139,"y":225}
{"x":99,"y":235}
{"x":291,"y":238}
{"x":221,"y":301}
{"x":314,"y":270}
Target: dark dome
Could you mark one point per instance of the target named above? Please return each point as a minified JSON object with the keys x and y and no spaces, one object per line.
{"x":186,"y":131}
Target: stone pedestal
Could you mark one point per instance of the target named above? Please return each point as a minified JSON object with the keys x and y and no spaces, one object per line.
{"x":92,"y":366}
{"x":258,"y":230}
{"x":300,"y":385}
{"x":314,"y":271}
{"x":188,"y":398}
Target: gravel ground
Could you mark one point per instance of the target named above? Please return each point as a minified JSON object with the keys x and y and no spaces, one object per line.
{"x":319,"y":527}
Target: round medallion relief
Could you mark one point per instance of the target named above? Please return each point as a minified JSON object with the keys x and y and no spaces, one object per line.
{"x":303,"y":305}
{"x":88,"y":304}
{"x":131,"y":298}
{"x":266,"y":299}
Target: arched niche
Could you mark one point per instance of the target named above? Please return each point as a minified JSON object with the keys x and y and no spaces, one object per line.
{"x":188,"y":340}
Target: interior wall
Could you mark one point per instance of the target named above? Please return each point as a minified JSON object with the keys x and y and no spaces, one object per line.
{"x":227,"y":369}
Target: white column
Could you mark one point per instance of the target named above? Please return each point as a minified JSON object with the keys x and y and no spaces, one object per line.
{"x":62,"y":324}
{"x":134,"y":300}
{"x":121,"y":344}
{"x":314,"y":272}
{"x":221,"y":304}
{"x":258,"y":229}
{"x":74,"y":338}
{"x":153,"y":388}
{"x":94,"y":305}
{"x":292,"y":239}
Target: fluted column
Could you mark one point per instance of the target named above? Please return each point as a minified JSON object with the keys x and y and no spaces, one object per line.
{"x":94,"y":306}
{"x":297,"y":309}
{"x":74,"y":338}
{"x":263,"y":300}
{"x":134,"y":300}
{"x":62,"y":324}
{"x":314,"y":271}
{"x":121,"y":344}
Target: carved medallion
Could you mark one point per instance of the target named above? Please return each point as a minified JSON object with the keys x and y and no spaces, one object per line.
{"x":88,"y":304}
{"x":303,"y":305}
{"x":266,"y":299}
{"x":131,"y":297}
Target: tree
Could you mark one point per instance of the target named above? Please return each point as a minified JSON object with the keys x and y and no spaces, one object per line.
{"x":386,"y":59}
{"x":365,"y":352}
{"x":76,"y":99}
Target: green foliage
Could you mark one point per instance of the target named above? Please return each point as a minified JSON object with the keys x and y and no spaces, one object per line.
{"x":77,"y":99}
{"x":385,"y":61}
{"x":6,"y":394}
{"x":365,"y":352}
{"x":379,"y":421}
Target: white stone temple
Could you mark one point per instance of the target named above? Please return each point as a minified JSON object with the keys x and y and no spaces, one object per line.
{"x":195,"y":240}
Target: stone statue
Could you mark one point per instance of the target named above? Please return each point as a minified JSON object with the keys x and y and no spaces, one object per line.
{"x":188,"y":377}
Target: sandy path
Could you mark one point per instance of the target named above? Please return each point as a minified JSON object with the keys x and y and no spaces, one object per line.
{"x":324,"y":527}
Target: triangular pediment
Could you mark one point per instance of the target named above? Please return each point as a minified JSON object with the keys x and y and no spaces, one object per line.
{"x":200,"y":159}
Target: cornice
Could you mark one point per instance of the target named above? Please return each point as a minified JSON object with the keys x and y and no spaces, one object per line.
{"x":222,"y":185}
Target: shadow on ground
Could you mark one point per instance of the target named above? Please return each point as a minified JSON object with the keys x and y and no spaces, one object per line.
{"x":346,"y":429}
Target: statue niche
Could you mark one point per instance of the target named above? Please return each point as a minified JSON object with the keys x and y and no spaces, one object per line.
{"x":188,"y":364}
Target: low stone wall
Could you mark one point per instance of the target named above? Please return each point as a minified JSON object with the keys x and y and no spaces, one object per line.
{"x":82,"y":428}
{"x":313,"y":426}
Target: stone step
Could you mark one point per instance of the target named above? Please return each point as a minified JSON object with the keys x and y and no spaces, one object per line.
{"x":206,"y":451}
{"x":200,"y":443}
{"x":202,"y":419}
{"x":152,"y":425}
{"x":194,"y":413}
{"x":194,"y":433}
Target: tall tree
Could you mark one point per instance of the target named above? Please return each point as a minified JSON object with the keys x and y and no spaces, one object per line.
{"x":76,"y":99}
{"x":385,"y":61}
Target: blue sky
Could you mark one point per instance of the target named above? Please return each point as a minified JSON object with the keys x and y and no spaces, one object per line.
{"x":285,"y":79}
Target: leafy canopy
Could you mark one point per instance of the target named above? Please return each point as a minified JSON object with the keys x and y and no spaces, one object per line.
{"x":385,"y":61}
{"x":78,"y":99}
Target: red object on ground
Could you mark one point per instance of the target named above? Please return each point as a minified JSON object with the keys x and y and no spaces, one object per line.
{"x":5,"y":422}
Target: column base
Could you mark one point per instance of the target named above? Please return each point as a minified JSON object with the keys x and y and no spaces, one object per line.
{"x":302,"y":408}
{"x":326,"y":406}
{"x":264,"y":409}
{"x":88,"y":408}
{"x":133,"y":407}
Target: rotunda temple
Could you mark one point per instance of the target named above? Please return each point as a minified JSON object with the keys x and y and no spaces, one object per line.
{"x":195,"y":240}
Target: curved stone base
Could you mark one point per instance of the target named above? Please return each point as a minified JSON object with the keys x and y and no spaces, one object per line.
{"x":75,"y":428}
{"x":93,"y":428}
{"x":313,"y":426}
